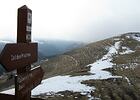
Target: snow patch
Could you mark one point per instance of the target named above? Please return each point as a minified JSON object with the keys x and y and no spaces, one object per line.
{"x":128,"y":36}
{"x":63,"y":83}
{"x":116,"y":39}
{"x":136,"y":37}
{"x":105,"y":62}
{"x":10,"y":91}
{"x":126,"y":51}
{"x":128,"y":80}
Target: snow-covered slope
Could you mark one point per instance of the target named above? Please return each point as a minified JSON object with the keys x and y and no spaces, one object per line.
{"x":62,"y":83}
{"x":135,"y":36}
{"x":59,"y":83}
{"x":73,"y":83}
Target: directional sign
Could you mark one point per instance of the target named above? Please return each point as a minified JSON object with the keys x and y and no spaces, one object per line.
{"x":15,"y":56}
{"x":29,"y":80}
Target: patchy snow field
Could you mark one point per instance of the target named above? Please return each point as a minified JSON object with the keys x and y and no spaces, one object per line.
{"x":63,"y":83}
{"x":136,"y":37}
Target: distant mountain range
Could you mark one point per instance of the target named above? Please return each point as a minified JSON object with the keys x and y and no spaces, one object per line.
{"x":52,"y":48}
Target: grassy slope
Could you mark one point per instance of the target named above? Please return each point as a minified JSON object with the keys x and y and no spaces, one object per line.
{"x":76,"y":60}
{"x":74,"y":63}
{"x":126,"y":88}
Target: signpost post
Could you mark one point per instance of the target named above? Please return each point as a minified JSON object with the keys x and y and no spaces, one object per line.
{"x":20,"y":56}
{"x":24,"y":23}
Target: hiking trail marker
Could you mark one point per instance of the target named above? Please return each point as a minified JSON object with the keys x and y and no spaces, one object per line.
{"x":19,"y":56}
{"x":28,"y":81}
{"x":15,"y":56}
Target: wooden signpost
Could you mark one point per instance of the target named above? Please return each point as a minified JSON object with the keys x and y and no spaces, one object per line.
{"x":19,"y":56}
{"x":24,"y":23}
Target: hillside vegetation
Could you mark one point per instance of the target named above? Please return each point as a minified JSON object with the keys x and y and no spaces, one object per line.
{"x":126,"y":63}
{"x":76,"y":60}
{"x":103,"y":70}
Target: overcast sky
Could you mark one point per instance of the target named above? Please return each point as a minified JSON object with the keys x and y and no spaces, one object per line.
{"x":79,"y":20}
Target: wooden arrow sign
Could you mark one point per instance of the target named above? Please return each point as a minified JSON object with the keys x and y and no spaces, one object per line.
{"x":15,"y":56}
{"x":28,"y":81}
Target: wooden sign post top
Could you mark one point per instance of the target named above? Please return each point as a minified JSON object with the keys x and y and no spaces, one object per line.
{"x":24,"y":23}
